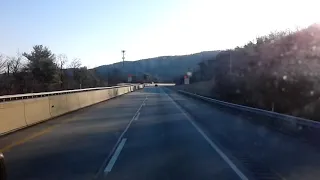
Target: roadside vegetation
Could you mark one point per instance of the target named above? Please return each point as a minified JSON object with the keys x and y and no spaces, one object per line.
{"x":278,"y":72}
{"x":40,"y":70}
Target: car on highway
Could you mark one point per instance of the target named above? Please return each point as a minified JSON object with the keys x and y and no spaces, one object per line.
{"x":3,"y":173}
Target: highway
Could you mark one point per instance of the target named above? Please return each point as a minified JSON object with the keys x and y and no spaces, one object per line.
{"x":156,"y":133}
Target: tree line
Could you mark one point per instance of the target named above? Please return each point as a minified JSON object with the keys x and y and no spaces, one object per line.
{"x":41,"y":70}
{"x":278,"y":72}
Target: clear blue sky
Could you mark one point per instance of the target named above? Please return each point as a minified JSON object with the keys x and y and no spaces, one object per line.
{"x":97,"y":30}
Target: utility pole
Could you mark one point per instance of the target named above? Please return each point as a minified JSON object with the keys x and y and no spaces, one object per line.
{"x":123,"y":51}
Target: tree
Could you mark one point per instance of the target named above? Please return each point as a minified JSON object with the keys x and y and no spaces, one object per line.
{"x":16,"y":71}
{"x":75,"y":63}
{"x":15,"y":64}
{"x":78,"y":72}
{"x":62,"y":59}
{"x":116,"y":76}
{"x":145,"y":77}
{"x":11,"y":79}
{"x":2,"y":63}
{"x":41,"y":63}
{"x":79,"y":75}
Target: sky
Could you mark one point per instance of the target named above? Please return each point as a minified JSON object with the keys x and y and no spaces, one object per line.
{"x":97,"y":30}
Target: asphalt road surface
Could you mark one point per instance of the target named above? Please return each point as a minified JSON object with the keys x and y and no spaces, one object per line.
{"x":156,"y":133}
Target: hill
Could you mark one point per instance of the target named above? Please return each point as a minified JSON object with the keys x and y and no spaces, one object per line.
{"x":164,"y":68}
{"x":278,"y":72}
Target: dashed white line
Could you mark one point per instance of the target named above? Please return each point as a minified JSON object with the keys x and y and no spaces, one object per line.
{"x":123,"y":141}
{"x":137,"y":117}
{"x":115,"y":156}
{"x":211,"y":143}
{"x":106,"y":169}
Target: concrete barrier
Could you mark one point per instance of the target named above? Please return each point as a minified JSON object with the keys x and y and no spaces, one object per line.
{"x":112,"y":92}
{"x":19,"y":111}
{"x":12,"y":116}
{"x":73,"y":102}
{"x":36,"y":110}
{"x":97,"y":96}
{"x":84,"y":99}
{"x":105,"y":94}
{"x":58,"y":105}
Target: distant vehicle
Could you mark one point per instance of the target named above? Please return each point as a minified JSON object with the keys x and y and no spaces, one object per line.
{"x":3,"y":173}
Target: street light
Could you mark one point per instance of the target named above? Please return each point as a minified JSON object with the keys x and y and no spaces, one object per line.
{"x":123,"y":51}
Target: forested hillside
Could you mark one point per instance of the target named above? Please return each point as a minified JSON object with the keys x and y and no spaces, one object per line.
{"x":280,"y":72}
{"x":164,"y":68}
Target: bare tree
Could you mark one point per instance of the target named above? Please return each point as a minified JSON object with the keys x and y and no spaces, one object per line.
{"x":61,"y":60}
{"x":11,"y":81}
{"x":15,"y":64}
{"x":75,"y":63}
{"x":3,"y":62}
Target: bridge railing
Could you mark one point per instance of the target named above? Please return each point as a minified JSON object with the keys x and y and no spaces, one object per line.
{"x":53,"y":93}
{"x":22,"y":110}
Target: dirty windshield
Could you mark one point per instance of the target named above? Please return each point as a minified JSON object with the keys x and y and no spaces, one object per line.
{"x":159,"y":90}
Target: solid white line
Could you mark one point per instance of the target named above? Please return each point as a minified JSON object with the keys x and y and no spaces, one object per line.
{"x":137,"y":117}
{"x":115,"y":156}
{"x":212,"y":144}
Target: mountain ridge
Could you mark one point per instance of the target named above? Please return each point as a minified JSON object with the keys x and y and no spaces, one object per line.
{"x":164,"y":68}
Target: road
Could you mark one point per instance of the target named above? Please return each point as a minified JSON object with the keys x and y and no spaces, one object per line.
{"x":156,"y":133}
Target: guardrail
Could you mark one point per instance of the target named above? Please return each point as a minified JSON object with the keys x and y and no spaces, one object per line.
{"x":302,"y":128}
{"x":256,"y":110}
{"x":52,"y":93}
{"x":23,"y":110}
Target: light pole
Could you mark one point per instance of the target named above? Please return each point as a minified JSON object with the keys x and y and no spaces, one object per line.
{"x":123,"y":51}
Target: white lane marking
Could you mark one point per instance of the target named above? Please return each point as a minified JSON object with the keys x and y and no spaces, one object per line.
{"x":115,"y":156}
{"x":120,"y":138}
{"x":137,"y":112}
{"x":212,"y":144}
{"x":137,"y":117}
